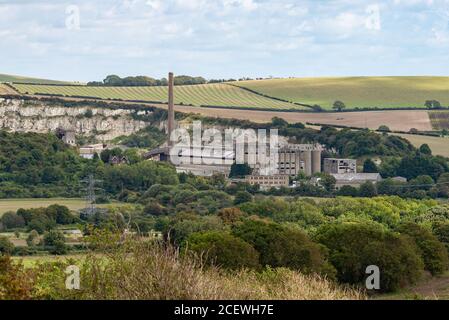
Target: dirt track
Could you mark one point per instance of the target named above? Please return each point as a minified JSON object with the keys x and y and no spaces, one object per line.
{"x":397,"y":120}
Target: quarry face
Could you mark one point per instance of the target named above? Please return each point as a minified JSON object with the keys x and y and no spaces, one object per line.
{"x":17,"y":115}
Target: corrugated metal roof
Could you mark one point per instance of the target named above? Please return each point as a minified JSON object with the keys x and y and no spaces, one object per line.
{"x":357,"y":176}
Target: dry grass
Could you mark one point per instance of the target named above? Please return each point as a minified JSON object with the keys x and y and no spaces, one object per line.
{"x":71,"y":203}
{"x":438,"y":145}
{"x":15,"y":204}
{"x":398,"y":120}
{"x":6,"y":90}
{"x":146,"y":271}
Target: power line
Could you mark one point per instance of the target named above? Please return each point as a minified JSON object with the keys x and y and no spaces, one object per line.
{"x":90,"y":194}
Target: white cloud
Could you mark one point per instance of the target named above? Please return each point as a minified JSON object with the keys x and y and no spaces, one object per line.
{"x":261,"y":35}
{"x":245,"y":4}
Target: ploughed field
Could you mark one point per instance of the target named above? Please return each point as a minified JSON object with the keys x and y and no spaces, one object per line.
{"x":4,"y":89}
{"x":361,"y":92}
{"x":439,"y":119}
{"x":214,"y":95}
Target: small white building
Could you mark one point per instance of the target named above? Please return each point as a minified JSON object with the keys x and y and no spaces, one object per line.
{"x":88,"y":152}
{"x":69,"y":138}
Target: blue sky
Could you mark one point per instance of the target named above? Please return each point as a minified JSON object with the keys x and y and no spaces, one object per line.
{"x":86,"y":40}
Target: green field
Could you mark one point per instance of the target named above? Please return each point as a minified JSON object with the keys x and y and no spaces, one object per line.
{"x":221,"y":95}
{"x":439,"y":119}
{"x":362,"y":92}
{"x":12,"y":78}
{"x":31,"y":261}
{"x":355,"y":92}
{"x":15,"y":204}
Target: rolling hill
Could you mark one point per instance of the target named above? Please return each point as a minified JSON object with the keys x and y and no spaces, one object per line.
{"x":12,"y":78}
{"x":213,"y":95}
{"x":361,"y":92}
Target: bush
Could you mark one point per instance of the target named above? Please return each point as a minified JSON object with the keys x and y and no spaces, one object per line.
{"x":11,"y":220}
{"x":441,"y":231}
{"x":355,"y":246}
{"x":230,"y":215}
{"x":242,"y":197}
{"x":33,"y":238}
{"x":348,"y":191}
{"x":283,"y":247}
{"x":56,"y":240}
{"x":60,"y":214}
{"x":6,"y":246}
{"x":433,"y":252}
{"x":223,"y":249}
{"x":368,"y":190}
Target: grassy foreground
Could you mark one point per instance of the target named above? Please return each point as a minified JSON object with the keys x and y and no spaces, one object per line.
{"x":148,"y":271}
{"x":362,"y":92}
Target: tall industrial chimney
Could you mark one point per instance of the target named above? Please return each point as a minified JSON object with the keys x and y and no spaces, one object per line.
{"x":171,"y":107}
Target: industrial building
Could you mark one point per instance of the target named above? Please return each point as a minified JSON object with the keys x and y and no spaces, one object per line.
{"x":339,"y":166}
{"x":355,"y":179}
{"x":291,"y":160}
{"x":268,"y":182}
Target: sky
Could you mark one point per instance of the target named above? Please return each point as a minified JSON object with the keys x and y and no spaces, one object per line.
{"x":85,"y":40}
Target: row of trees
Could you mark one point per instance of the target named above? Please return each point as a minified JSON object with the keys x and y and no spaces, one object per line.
{"x":116,"y":81}
{"x":429,"y":104}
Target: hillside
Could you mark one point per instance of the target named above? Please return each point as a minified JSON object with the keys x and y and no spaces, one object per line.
{"x":13,"y":78}
{"x":362,"y":92}
{"x":219,"y":95}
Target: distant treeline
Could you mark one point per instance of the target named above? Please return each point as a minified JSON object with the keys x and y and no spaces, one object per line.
{"x":137,"y":81}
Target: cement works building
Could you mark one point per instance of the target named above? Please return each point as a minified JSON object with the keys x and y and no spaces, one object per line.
{"x":291,"y":160}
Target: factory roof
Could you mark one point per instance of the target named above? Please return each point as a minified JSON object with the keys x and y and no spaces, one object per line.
{"x":357,"y":177}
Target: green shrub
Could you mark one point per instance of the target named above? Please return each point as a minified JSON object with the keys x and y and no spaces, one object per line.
{"x":6,"y":246}
{"x":55,"y":240}
{"x":441,"y":231}
{"x":433,"y":252}
{"x":355,"y":246}
{"x":223,"y":249}
{"x":242,"y":197}
{"x":279,"y":246}
{"x":11,"y":220}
